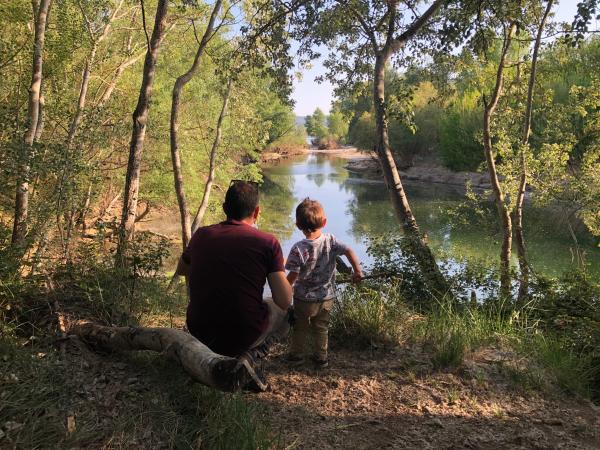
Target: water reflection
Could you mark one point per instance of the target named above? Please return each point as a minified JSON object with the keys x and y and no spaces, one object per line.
{"x":358,"y":209}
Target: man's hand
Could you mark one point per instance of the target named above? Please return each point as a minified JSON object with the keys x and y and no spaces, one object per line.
{"x":291,"y":316}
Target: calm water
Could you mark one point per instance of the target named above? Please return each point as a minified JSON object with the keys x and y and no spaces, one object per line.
{"x":358,"y":209}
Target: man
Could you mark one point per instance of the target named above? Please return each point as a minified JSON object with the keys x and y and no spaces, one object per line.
{"x":226,"y":266}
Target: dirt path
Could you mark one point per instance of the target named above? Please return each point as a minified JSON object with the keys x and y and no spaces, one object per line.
{"x":392,"y":399}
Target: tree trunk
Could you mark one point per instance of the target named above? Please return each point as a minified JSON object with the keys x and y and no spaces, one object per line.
{"x":418,"y":247}
{"x":39,"y":129}
{"x":33,"y":113}
{"x":213,"y":161}
{"x":201,"y":363}
{"x":499,"y":196}
{"x":186,"y":231}
{"x":138,"y":134}
{"x":518,"y":210}
{"x":85,"y":81}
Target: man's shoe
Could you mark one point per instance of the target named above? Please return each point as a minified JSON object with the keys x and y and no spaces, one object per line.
{"x":253,"y":379}
{"x":320,"y":363}
{"x":294,"y":360}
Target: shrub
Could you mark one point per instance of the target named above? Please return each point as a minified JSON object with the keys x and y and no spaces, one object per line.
{"x":460,"y":148}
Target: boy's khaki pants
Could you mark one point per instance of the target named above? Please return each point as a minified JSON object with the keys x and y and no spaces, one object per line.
{"x":312,"y":318}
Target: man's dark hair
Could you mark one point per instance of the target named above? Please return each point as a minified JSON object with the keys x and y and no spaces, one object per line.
{"x":241,"y":200}
{"x":310,"y":215}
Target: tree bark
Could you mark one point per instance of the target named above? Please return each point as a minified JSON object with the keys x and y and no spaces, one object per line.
{"x":186,"y":230}
{"x":418,"y":247}
{"x":39,"y":129}
{"x":499,"y":195}
{"x":201,"y":363}
{"x":40,"y":12}
{"x":138,"y":134}
{"x":518,"y":210}
{"x":213,"y":161}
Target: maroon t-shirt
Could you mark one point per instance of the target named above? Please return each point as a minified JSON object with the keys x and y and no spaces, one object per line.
{"x":229,"y":263}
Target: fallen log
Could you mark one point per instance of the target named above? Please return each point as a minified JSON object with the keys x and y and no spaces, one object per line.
{"x":200,"y":362}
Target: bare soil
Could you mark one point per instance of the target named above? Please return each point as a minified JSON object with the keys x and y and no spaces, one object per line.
{"x":376,"y":399}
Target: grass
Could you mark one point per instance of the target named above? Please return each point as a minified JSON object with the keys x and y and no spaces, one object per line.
{"x":558,"y":365}
{"x":370,"y":315}
{"x":449,"y":333}
{"x":40,"y":389}
{"x":163,"y":408}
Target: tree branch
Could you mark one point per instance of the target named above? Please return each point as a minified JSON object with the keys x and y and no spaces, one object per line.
{"x":414,"y":28}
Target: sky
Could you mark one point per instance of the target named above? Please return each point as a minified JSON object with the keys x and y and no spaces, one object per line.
{"x":309,"y":95}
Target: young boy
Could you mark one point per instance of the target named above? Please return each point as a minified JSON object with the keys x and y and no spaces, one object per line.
{"x":311,"y":265}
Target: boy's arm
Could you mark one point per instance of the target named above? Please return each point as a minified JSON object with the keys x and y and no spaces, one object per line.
{"x":357,"y":273}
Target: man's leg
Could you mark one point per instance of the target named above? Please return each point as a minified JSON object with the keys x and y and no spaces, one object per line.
{"x":277,"y":329}
{"x":320,"y":330}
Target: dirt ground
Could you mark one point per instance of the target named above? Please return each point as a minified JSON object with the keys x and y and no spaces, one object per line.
{"x":392,"y":399}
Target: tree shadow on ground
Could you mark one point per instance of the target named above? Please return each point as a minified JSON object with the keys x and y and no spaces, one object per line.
{"x":392,"y":399}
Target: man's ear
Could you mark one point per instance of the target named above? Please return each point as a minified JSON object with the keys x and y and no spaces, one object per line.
{"x":324,"y":222}
{"x":256,"y":212}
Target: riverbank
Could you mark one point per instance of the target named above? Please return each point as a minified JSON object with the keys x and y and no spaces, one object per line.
{"x":347,"y":152}
{"x":386,"y":391}
{"x":369,"y":167}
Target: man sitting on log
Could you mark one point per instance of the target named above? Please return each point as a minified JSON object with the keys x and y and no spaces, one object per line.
{"x":226,"y":266}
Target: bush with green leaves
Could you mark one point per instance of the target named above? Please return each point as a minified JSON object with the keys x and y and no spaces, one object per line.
{"x":460,"y":148}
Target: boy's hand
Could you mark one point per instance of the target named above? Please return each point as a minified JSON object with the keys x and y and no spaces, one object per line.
{"x":357,"y":276}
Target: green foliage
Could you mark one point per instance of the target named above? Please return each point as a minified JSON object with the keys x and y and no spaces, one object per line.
{"x":363,"y":134}
{"x":370,"y":314}
{"x":293,"y":140}
{"x":337,"y":126}
{"x":460,"y":148}
{"x":315,"y":124}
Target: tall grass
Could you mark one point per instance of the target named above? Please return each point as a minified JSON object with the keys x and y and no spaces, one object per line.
{"x":450,"y":331}
{"x":368,"y":314}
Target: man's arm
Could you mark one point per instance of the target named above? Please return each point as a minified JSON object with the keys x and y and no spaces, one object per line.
{"x":281,"y":289}
{"x":357,"y":274}
{"x":183,"y":268}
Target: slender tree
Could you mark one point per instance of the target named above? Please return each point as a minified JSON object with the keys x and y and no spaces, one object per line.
{"x":213,"y":160}
{"x":41,"y":9}
{"x":182,"y":80}
{"x":490,"y":106}
{"x":140,"y":119}
{"x":527,"y":118}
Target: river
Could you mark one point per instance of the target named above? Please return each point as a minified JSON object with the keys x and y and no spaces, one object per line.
{"x":359,"y":209}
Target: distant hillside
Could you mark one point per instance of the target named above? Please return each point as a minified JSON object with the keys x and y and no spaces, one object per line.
{"x":300,"y":120}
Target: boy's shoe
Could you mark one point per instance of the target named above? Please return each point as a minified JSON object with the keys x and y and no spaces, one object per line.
{"x":294,"y":360}
{"x":320,"y":363}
